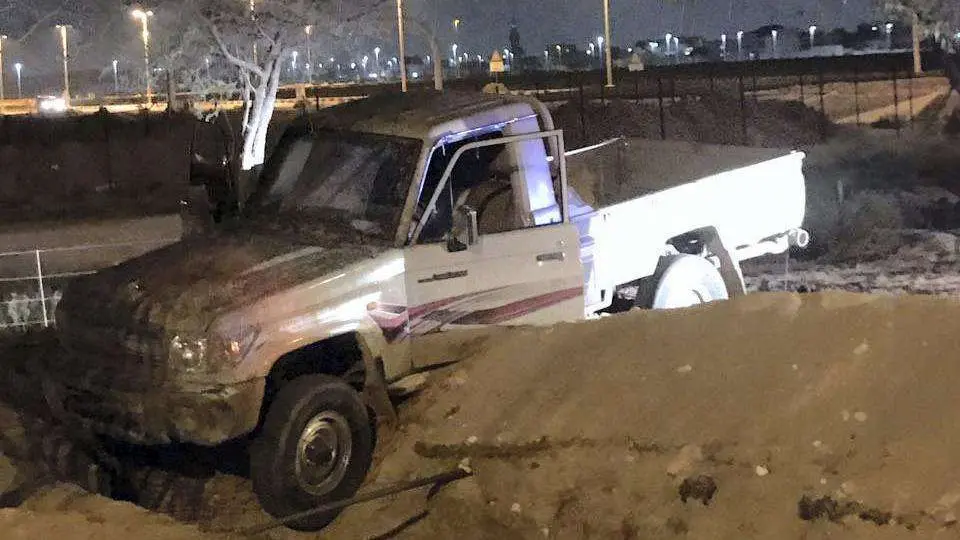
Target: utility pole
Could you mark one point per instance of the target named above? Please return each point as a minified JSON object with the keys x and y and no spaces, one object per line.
{"x":2,"y":95}
{"x":609,"y":47}
{"x":144,"y":18}
{"x":403,"y":49}
{"x":917,"y":61}
{"x":66,"y":62}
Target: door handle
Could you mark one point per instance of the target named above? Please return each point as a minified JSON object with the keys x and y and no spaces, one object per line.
{"x":558,"y":256}
{"x":444,"y":276}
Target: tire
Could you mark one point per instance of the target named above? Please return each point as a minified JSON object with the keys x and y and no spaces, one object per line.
{"x":682,"y":281}
{"x":318,"y":417}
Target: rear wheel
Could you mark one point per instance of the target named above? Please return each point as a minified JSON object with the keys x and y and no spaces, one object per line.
{"x":316,"y":447}
{"x":682,"y":281}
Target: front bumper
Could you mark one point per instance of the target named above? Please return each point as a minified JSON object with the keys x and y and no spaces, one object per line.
{"x":203,"y":416}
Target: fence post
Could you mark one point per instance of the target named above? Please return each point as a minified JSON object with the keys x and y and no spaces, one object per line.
{"x":856,"y":90}
{"x":896,"y":103}
{"x":743,"y":109}
{"x":803,"y":98}
{"x":663,"y":118}
{"x":910,"y":98}
{"x":823,"y":104}
{"x":583,"y":125}
{"x":43,"y":296}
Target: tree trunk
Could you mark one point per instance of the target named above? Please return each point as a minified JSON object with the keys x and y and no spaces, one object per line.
{"x":437,"y":64}
{"x":917,"y":62}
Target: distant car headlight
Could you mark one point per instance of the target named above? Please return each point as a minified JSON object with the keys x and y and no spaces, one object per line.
{"x":53,"y":105}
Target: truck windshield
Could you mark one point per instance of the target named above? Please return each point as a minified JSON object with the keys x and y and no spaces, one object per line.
{"x":355,"y":179}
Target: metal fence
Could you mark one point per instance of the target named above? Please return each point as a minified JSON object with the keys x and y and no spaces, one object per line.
{"x":32,"y":281}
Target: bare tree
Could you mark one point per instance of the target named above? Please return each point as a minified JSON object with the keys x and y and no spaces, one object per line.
{"x":930,"y":17}
{"x":256,"y":38}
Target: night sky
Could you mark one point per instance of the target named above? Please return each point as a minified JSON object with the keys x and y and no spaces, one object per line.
{"x":486,"y":22}
{"x":486,"y":25}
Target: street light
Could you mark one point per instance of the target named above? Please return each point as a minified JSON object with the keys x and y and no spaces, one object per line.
{"x":2,"y":96}
{"x":66,"y":62}
{"x":606,"y":31}
{"x":668,"y":39}
{"x":309,"y":32}
{"x":889,"y":29}
{"x":813,"y":35}
{"x":116,"y":75}
{"x":19,"y":67}
{"x":376,"y":56}
{"x":403,"y":47}
{"x":144,"y":18}
{"x":739,"y":44}
{"x":723,"y":46}
{"x":774,"y":34}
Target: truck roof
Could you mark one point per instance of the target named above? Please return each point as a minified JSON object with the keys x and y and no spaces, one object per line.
{"x":422,"y":115}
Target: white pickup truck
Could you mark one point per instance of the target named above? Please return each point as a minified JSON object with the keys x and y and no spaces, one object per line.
{"x":374,"y":227}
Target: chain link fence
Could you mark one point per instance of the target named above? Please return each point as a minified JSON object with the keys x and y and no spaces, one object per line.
{"x":32,"y":281}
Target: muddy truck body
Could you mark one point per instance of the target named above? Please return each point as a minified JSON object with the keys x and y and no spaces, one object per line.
{"x":376,"y":229}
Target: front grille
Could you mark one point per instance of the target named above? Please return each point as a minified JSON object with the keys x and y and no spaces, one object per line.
{"x":100,"y":357}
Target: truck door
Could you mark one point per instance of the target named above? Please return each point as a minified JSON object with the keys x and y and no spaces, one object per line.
{"x":524,"y":268}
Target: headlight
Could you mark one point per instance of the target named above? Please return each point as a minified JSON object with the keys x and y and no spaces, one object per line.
{"x":189,"y":355}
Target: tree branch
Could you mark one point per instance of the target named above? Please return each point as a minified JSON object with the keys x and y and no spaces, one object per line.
{"x":225,"y":50}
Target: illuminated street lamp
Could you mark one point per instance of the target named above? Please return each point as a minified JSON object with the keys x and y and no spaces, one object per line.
{"x":144,"y":18}
{"x":723,"y":46}
{"x":116,"y":75}
{"x":813,"y":35}
{"x":293,"y":65}
{"x":455,"y":46}
{"x":376,"y":57}
{"x":364,"y":62}
{"x":19,"y":67}
{"x":889,"y":30}
{"x":309,"y":31}
{"x":62,"y":28}
{"x":775,"y":34}
{"x":739,"y":44}
{"x":668,"y":39}
{"x":2,"y":96}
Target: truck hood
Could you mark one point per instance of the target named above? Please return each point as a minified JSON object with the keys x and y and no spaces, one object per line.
{"x":185,"y":287}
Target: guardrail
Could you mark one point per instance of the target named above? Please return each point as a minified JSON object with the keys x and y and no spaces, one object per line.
{"x":31,"y":281}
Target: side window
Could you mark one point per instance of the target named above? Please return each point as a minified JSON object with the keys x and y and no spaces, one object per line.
{"x":485,"y":179}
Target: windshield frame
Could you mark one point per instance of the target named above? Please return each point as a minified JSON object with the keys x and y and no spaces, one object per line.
{"x":258,"y":208}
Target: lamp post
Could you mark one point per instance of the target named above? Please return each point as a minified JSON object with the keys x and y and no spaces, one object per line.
{"x":813,"y":35}
{"x":889,"y":29}
{"x":19,"y":67}
{"x":403,"y":48}
{"x":739,"y":44}
{"x":774,"y":34}
{"x":668,"y":39}
{"x":2,"y":95}
{"x":606,"y":32}
{"x":116,"y":76}
{"x":376,"y":58}
{"x":62,"y":28}
{"x":309,"y":32}
{"x":144,"y":18}
{"x":723,"y":46}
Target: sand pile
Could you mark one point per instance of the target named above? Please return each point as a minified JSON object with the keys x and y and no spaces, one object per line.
{"x":67,"y":513}
{"x":791,"y":416}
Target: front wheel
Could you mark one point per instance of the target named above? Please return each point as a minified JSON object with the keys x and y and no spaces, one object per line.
{"x":682,"y":281}
{"x":316,"y":447}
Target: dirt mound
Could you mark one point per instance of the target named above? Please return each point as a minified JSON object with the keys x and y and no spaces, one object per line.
{"x":714,"y":118}
{"x":775,"y":416}
{"x":66,"y":512}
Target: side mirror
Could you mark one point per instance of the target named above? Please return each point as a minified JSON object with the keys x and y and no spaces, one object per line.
{"x":465,"y":231}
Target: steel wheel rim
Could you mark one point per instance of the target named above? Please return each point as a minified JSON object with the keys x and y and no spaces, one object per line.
{"x":323,"y":453}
